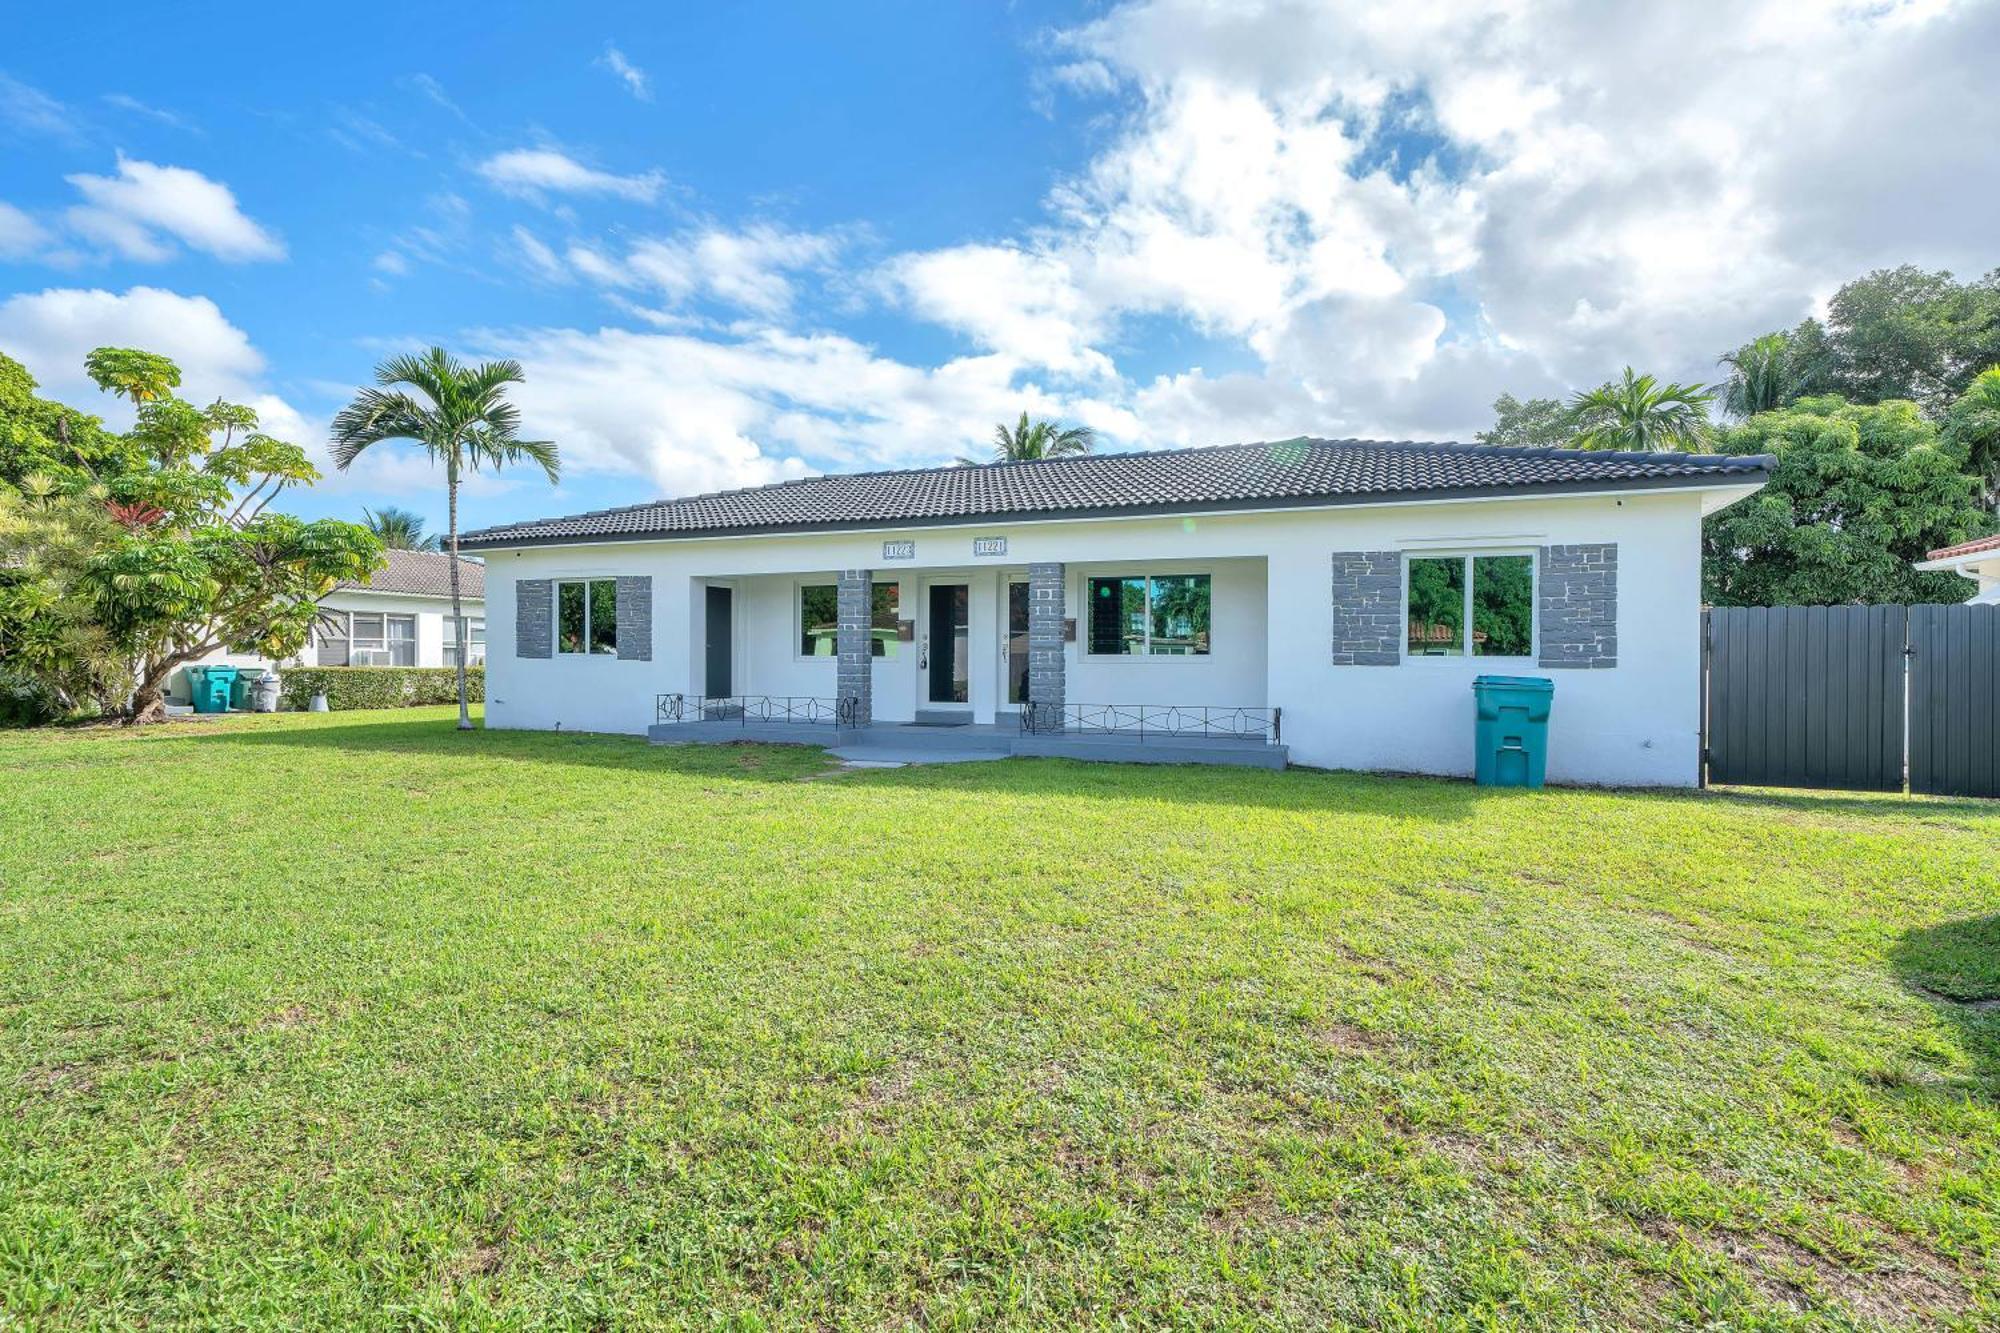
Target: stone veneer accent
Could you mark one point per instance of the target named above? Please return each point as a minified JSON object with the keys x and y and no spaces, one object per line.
{"x":855,"y":674}
{"x":635,"y":617}
{"x":1577,"y":599}
{"x":1367,"y":608}
{"x":534,"y":611}
{"x":1046,"y":679}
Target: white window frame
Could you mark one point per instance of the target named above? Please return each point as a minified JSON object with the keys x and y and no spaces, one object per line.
{"x":1468,"y":554}
{"x":473,"y":623}
{"x":377,"y":646}
{"x":893,"y":648}
{"x":1148,"y":573}
{"x":555,"y":618}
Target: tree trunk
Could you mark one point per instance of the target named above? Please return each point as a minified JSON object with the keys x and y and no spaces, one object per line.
{"x":457,"y":615}
{"x":149,"y":704}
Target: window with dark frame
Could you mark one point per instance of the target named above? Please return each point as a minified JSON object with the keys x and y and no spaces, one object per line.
{"x":819,"y":619}
{"x":1153,"y":615}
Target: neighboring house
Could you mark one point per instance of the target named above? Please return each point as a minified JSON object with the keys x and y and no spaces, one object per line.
{"x":1976,"y":560}
{"x":1333,"y":580}
{"x":400,"y":617}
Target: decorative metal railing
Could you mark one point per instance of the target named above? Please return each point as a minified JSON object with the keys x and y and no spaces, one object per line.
{"x":1146,"y":721}
{"x":743,"y":709}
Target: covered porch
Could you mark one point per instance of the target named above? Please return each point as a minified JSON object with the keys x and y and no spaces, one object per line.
{"x":1144,"y":660}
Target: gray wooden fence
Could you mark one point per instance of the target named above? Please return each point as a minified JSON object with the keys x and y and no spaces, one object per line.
{"x":1819,"y":696}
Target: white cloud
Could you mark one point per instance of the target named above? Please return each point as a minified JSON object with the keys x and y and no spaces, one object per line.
{"x":28,"y":110}
{"x":753,"y":269}
{"x":20,"y":235}
{"x":540,"y":259}
{"x":391,"y":262}
{"x":50,"y":332}
{"x":158,"y":115}
{"x":627,"y":73}
{"x":143,"y":210}
{"x":533,"y":172}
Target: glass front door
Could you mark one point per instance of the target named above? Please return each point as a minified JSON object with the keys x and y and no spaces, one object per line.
{"x":1017,"y":641}
{"x":948,"y":631}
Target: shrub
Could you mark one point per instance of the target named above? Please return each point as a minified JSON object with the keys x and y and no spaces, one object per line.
{"x":380,"y":687}
{"x":26,"y":702}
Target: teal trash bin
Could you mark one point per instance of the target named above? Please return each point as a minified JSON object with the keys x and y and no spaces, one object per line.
{"x":210,"y":686}
{"x":1512,"y":731}
{"x":242,"y":691}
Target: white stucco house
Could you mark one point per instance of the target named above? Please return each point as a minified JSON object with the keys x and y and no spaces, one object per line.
{"x":400,"y":617}
{"x":1329,"y":599}
{"x":1976,"y":560}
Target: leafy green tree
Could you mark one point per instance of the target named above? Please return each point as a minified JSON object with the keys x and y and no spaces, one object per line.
{"x":40,"y":437}
{"x":1539,"y":423}
{"x":1641,"y":414}
{"x":169,"y":558}
{"x":461,"y":416}
{"x":1972,"y":424}
{"x":1760,"y":376}
{"x":1029,"y":440}
{"x":399,"y":529}
{"x":1908,"y":333}
{"x":1859,"y":492}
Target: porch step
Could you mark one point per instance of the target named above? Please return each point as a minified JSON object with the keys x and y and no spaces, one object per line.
{"x":942,"y":717}
{"x":908,"y":742}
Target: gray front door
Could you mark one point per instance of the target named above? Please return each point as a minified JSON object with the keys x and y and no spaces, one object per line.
{"x":721,"y":632}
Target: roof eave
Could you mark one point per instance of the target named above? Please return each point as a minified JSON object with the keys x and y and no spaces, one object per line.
{"x":1747,"y":478}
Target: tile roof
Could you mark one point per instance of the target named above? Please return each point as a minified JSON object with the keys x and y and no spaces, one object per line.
{"x":1243,"y":476}
{"x":425,"y":574}
{"x":1973,"y":547}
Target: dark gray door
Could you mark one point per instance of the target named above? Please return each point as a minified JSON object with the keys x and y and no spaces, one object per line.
{"x":721,"y":637}
{"x":1955,"y":700}
{"x":1806,"y":696}
{"x":949,"y":629}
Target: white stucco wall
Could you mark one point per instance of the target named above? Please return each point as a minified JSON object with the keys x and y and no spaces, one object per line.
{"x":1635,"y":723}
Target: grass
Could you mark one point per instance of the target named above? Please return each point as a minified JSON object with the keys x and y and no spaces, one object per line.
{"x":353,"y":1020}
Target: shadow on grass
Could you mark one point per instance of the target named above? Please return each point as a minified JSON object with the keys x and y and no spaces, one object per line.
{"x":1305,"y":791}
{"x":1956,"y":966}
{"x":1854,"y":803}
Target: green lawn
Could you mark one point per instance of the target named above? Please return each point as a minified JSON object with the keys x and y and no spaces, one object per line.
{"x":354,"y":1020}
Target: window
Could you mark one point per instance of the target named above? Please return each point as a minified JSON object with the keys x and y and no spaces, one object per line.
{"x":330,"y":637}
{"x":587,"y":617}
{"x":1493,"y":594}
{"x":478,"y":654}
{"x":819,"y":619}
{"x":1155,"y":615}
{"x":375,"y":639}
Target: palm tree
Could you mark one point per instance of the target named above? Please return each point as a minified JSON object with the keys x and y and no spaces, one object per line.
{"x":1639,"y":413}
{"x":1760,"y":376}
{"x":399,"y":529}
{"x":461,"y":416}
{"x":1036,"y":439}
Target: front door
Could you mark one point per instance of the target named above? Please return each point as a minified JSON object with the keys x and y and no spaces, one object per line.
{"x":1017,"y":642}
{"x":721,"y":635}
{"x":947,"y":630}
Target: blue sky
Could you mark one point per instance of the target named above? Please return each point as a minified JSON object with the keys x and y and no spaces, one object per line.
{"x":732,"y":244}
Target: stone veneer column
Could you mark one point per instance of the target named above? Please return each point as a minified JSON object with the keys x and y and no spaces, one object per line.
{"x":1367,"y":608}
{"x":1046,"y":683}
{"x":855,"y":672}
{"x":1578,"y":602}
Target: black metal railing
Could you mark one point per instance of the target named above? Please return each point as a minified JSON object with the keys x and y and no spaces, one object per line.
{"x":1147,"y":721}
{"x":743,"y":709}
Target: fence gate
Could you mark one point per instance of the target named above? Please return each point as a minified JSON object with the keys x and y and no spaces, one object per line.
{"x":1806,"y":696}
{"x":1954,"y":700}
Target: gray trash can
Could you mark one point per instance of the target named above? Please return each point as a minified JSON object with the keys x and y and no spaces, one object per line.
{"x":265,"y":693}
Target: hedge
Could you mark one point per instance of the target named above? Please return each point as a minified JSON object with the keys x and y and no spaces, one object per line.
{"x":380,"y":687}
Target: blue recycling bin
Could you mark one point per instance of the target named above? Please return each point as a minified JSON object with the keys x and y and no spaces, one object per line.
{"x":1512,"y":730}
{"x":210,"y":687}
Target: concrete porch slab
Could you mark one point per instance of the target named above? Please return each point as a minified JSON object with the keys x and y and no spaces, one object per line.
{"x":911,"y":743}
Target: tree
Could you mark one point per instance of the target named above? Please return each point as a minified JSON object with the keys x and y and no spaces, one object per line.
{"x":1859,"y":493}
{"x":113,"y":582}
{"x":461,"y":416}
{"x":1760,"y":376}
{"x":39,"y":437}
{"x":1972,"y":424}
{"x":1639,"y":413}
{"x":1908,"y":333}
{"x":399,"y":529}
{"x":1539,"y":423}
{"x":1038,"y":439}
